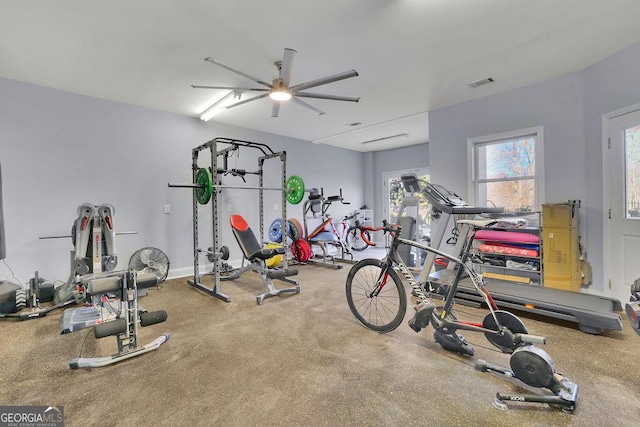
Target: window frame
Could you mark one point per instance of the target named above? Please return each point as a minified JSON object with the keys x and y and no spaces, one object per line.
{"x":473,"y":181}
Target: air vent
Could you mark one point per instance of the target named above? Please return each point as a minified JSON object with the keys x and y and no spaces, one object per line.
{"x":482,"y":82}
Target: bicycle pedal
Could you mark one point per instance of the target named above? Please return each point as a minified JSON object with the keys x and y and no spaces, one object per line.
{"x":422,"y":316}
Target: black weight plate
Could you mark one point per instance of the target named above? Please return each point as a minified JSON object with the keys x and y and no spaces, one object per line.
{"x":292,"y":230}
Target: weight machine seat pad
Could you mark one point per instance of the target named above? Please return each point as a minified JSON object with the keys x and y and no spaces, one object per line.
{"x":324,"y":237}
{"x":107,"y":284}
{"x":248,"y":242}
{"x":319,"y":229}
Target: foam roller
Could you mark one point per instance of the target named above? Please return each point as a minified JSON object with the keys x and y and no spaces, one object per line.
{"x":146,"y":280}
{"x":147,"y":319}
{"x":276,"y":274}
{"x":107,"y":329}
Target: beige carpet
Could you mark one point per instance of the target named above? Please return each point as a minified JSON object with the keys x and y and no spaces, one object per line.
{"x":301,"y":360}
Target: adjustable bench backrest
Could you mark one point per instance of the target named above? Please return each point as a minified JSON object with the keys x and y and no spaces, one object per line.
{"x":244,"y":235}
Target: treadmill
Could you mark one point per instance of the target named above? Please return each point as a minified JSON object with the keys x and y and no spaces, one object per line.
{"x":593,"y":313}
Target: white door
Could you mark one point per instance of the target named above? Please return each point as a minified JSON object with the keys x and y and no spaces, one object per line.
{"x":624,"y":224}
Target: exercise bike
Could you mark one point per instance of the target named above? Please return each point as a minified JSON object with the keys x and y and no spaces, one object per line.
{"x":377,"y":298}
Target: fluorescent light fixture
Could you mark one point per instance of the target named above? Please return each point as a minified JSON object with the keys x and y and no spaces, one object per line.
{"x":387,"y":138}
{"x":219,"y":105}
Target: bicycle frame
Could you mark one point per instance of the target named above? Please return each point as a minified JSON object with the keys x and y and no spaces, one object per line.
{"x":394,"y":260}
{"x":341,"y":229}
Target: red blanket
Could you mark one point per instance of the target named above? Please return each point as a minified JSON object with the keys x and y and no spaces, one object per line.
{"x":508,"y":250}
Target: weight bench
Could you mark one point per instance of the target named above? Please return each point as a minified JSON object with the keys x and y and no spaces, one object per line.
{"x":325,"y":239}
{"x":257,"y":255}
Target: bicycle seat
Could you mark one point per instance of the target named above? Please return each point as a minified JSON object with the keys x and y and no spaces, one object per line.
{"x":478,"y":223}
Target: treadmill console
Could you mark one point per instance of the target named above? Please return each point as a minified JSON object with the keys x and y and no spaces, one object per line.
{"x":440,"y":196}
{"x":449,"y":202}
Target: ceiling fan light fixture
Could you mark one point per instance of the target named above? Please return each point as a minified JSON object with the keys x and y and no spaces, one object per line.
{"x":279,"y":89}
{"x":280,"y":94}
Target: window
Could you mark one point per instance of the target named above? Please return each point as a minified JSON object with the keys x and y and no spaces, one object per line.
{"x":632,"y":171}
{"x":507,"y":170}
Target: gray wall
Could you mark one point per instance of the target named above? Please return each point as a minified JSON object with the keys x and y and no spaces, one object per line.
{"x":570,"y":109}
{"x":60,"y":149}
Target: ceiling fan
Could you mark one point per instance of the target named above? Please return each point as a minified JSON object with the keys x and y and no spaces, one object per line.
{"x":279,"y":89}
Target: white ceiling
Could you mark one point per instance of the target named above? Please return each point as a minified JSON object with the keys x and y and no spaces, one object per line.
{"x":413,"y":56}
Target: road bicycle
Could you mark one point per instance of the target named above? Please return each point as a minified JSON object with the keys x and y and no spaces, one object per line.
{"x":377,"y":298}
{"x":357,"y":236}
{"x":345,"y":235}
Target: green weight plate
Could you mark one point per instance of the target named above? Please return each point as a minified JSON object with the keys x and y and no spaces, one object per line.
{"x":204,"y":179}
{"x":295,"y":189}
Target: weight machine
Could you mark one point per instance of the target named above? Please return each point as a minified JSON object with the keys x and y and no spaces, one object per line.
{"x":93,"y":237}
{"x":120,"y":288}
{"x":206,"y":186}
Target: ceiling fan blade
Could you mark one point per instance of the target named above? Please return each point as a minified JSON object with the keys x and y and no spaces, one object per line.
{"x":287,"y":65}
{"x":307,"y":106}
{"x":331,"y":97}
{"x":324,"y":80}
{"x":275,"y":108}
{"x":243,"y":89}
{"x":233,"y":70}
{"x":247,"y":100}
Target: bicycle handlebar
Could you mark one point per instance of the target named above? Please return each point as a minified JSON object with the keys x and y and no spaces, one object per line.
{"x":386,"y":227}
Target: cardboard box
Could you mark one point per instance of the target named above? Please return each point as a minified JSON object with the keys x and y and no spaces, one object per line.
{"x":559,"y":215}
{"x":572,"y":284}
{"x":561,"y":258}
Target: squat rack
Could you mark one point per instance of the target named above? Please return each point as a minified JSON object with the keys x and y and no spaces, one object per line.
{"x":215,"y":252}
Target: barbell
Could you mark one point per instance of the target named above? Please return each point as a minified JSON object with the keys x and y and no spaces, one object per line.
{"x":294,"y":187}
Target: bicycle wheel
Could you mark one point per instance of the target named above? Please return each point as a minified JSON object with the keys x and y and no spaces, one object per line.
{"x":355,"y":240}
{"x":376,"y":298}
